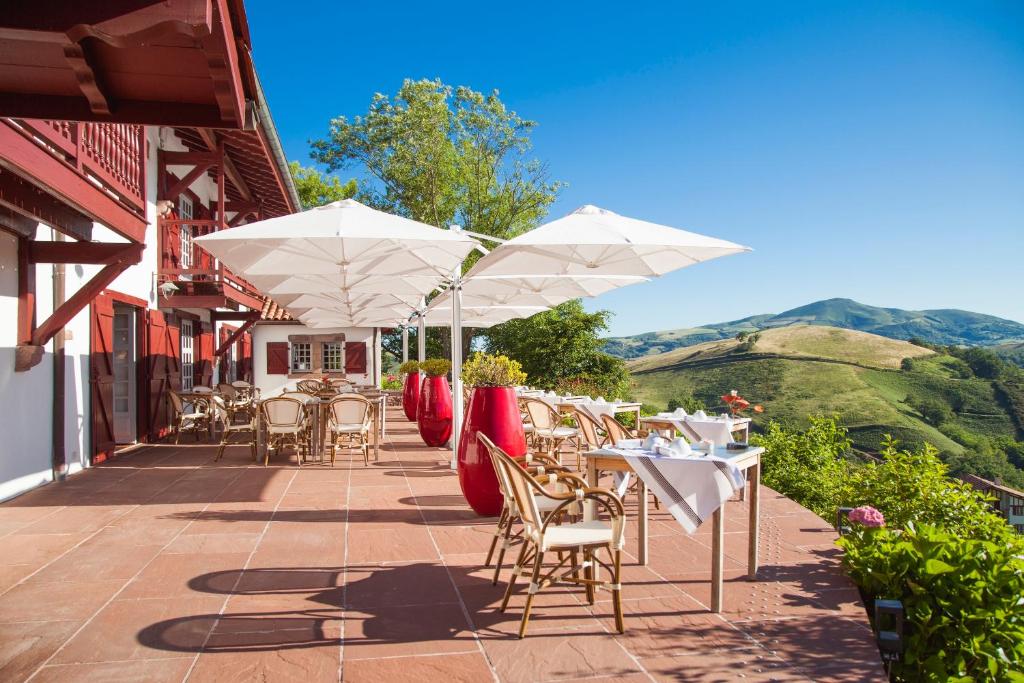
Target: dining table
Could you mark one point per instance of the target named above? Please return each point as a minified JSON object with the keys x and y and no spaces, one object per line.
{"x":747,"y":460}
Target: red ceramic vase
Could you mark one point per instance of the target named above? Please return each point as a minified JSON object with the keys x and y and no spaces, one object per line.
{"x":411,"y":395}
{"x":434,"y":415}
{"x":494,"y":412}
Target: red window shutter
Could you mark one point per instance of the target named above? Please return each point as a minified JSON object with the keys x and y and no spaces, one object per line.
{"x":355,"y":358}
{"x":277,"y":358}
{"x":204,"y":362}
{"x":101,"y":371}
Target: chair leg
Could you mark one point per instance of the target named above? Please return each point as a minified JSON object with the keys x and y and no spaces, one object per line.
{"x":497,"y":534}
{"x":252,"y":447}
{"x":516,"y":568}
{"x":617,"y":593}
{"x":588,"y":573}
{"x":501,"y":553}
{"x":177,"y":432}
{"x":534,"y":588}
{"x":223,"y":443}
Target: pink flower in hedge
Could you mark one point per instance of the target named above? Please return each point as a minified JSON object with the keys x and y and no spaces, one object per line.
{"x":867,"y":516}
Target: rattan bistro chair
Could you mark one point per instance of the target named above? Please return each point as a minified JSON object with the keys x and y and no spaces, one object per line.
{"x":286,"y":422}
{"x":590,"y":436}
{"x":348,"y":418}
{"x":229,"y":419}
{"x":547,"y":473}
{"x":195,"y":420}
{"x":541,"y":535}
{"x":310,"y":386}
{"x":616,"y":432}
{"x":547,"y":426}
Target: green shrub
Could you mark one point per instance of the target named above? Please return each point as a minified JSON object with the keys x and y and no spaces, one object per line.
{"x":961,"y":597}
{"x":687,"y":402}
{"x":436,"y":367}
{"x":409,"y":367}
{"x":390,"y":383}
{"x":907,"y":364}
{"x":808,"y":466}
{"x":485,"y":370}
{"x":934,"y":411}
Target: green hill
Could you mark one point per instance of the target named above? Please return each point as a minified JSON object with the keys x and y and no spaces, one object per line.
{"x":943,"y":326}
{"x":802,"y":370}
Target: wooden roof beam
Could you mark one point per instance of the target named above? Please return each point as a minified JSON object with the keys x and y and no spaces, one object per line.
{"x":80,"y":59}
{"x":209,"y":138}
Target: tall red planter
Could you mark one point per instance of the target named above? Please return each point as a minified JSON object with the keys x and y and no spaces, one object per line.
{"x":434,"y":414}
{"x":494,"y":412}
{"x":411,"y":395}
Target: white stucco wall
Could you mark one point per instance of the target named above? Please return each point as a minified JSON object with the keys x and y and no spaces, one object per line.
{"x":276,"y":332}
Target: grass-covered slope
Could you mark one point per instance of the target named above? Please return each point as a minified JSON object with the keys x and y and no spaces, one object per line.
{"x":944,"y":326}
{"x":805,"y":370}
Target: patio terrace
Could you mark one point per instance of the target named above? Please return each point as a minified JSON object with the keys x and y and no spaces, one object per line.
{"x":181,"y":569}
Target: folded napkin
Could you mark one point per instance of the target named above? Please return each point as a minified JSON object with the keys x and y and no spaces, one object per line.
{"x":600,"y":399}
{"x":700,"y":415}
{"x":629,"y":443}
{"x":679,"y":448}
{"x":679,"y":412}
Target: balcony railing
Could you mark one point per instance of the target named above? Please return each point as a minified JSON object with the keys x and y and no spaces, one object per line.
{"x":112,"y":155}
{"x":193,"y":270}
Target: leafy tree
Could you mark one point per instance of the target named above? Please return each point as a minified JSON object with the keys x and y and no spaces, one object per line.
{"x":443,"y":155}
{"x":560,"y":345}
{"x":316,"y":189}
{"x":934,"y":411}
{"x":907,"y":364}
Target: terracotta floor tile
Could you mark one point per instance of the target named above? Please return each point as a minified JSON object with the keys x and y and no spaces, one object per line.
{"x":821,"y":644}
{"x":96,"y":559}
{"x":37,"y":549}
{"x":13,"y":573}
{"x":144,"y":629}
{"x":63,"y":601}
{"x":396,"y":631}
{"x":23,"y":647}
{"x":470,"y":667}
{"x":553,"y":655}
{"x":81,"y":520}
{"x":212,"y":543}
{"x":148,"y":670}
{"x":381,"y":585}
{"x":400,"y":544}
{"x":172,"y":575}
{"x":744,"y":665}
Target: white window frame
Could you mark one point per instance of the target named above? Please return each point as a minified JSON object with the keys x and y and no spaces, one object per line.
{"x":339,"y":356}
{"x":293,"y":356}
{"x":187,"y":356}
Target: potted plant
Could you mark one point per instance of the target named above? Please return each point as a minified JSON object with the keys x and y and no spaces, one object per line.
{"x":411,"y":388}
{"x":434,"y":412}
{"x":494,"y":411}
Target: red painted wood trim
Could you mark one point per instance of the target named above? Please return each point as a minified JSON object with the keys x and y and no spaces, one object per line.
{"x":26,"y":293}
{"x":122,"y":298}
{"x":218,"y":316}
{"x":192,"y":301}
{"x":80,"y":60}
{"x":79,"y":300}
{"x":235,"y":336}
{"x":188,"y":158}
{"x":62,"y":180}
{"x":182,"y":184}
{"x":81,"y":252}
{"x":24,"y":199}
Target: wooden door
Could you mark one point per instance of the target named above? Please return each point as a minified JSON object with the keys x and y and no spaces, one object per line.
{"x":245,"y":354}
{"x":163,"y":369}
{"x":101,"y":377}
{"x":204,"y":362}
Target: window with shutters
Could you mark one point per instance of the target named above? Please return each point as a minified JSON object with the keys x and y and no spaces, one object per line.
{"x":302,"y":357}
{"x":187,"y":356}
{"x":333,"y":357}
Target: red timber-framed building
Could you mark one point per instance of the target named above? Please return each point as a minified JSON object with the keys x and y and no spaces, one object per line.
{"x":129,"y":128}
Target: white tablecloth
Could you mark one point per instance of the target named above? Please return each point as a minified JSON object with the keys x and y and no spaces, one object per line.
{"x":594,"y":407}
{"x":691,"y":487}
{"x":710,"y":428}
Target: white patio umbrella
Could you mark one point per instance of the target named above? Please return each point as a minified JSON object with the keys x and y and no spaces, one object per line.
{"x":370,"y":265}
{"x":339,"y":239}
{"x":534,"y":290}
{"x":594,"y":241}
{"x":439,"y":313}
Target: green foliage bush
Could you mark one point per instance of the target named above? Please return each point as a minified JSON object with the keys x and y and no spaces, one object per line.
{"x":934,"y":410}
{"x":687,"y":402}
{"x":436,"y":367}
{"x":486,"y":370}
{"x":807,"y":466}
{"x":409,"y":367}
{"x":961,"y":596}
{"x":957,"y":567}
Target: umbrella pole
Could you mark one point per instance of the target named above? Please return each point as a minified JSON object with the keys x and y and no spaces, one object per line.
{"x":456,"y":292}
{"x":405,"y":342}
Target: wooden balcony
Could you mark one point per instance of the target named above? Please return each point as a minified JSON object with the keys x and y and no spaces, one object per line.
{"x":201,"y":281}
{"x":97,"y":170}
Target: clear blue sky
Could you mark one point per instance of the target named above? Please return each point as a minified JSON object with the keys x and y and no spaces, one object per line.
{"x":865,"y":150}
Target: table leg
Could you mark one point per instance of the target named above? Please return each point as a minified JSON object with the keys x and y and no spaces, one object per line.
{"x":754,"y":477}
{"x":641,"y":537}
{"x":717,"y":557}
{"x":590,"y":507}
{"x":376,"y":432}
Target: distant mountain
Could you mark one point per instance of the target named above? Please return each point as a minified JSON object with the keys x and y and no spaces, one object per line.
{"x":941,"y":326}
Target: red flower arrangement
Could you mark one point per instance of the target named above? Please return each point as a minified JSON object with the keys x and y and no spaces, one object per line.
{"x":737,"y":404}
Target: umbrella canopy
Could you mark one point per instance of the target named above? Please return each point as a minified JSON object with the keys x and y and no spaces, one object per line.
{"x":534,"y":290}
{"x":595,"y":241}
{"x":440,"y":314}
{"x":339,"y":239}
{"x":343,"y":264}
